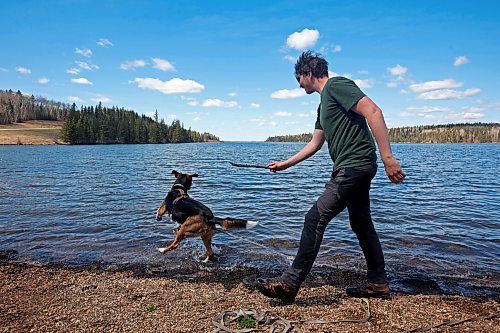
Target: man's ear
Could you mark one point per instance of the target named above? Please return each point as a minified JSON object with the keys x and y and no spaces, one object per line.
{"x":175,"y":173}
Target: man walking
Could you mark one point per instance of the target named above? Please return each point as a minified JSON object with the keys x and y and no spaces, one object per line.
{"x":344,"y":115}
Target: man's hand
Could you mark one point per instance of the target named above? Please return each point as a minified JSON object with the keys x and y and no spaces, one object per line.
{"x":393,"y":170}
{"x":277,"y":166}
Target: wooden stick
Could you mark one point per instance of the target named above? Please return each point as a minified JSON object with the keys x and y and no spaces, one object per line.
{"x":249,"y":165}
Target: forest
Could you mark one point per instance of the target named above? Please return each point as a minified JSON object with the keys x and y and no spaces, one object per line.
{"x":451,"y":133}
{"x":96,"y":125}
{"x":16,"y":107}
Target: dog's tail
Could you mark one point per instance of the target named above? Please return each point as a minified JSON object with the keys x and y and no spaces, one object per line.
{"x":232,"y":224}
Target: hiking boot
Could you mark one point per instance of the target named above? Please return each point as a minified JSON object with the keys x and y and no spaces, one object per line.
{"x":376,"y":290}
{"x":277,"y":288}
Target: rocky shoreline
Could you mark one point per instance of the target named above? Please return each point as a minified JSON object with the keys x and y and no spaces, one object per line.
{"x":96,"y":298}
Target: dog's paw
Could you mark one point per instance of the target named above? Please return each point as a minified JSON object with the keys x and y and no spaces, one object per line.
{"x":162,"y":249}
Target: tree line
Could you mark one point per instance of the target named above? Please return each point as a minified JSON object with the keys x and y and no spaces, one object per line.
{"x":95,"y":125}
{"x":306,"y":137}
{"x":16,"y":107}
{"x":107,"y":125}
{"x":450,"y":133}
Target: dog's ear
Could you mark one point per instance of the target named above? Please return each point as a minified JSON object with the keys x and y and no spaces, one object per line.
{"x":194,"y":175}
{"x":175,"y":173}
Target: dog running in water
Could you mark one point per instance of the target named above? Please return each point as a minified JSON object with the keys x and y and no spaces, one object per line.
{"x":195,"y":218}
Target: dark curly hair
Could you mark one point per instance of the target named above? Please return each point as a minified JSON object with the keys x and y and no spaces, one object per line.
{"x":313,"y":63}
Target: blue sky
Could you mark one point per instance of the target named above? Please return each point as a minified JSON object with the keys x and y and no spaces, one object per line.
{"x":226,"y":67}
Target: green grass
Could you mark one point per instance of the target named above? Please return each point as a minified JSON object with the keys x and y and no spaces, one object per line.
{"x":151,"y":308}
{"x":247,"y":322}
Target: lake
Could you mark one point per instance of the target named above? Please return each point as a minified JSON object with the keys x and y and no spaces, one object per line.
{"x":76,"y":205}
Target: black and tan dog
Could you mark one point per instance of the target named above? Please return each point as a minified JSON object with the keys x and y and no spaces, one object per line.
{"x":195,"y":218}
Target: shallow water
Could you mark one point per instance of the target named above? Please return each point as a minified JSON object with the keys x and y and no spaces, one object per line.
{"x":82,"y":204}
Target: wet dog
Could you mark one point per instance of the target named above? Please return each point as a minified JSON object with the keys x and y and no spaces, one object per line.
{"x":195,"y":218}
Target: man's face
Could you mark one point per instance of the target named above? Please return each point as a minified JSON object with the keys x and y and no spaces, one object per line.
{"x":306,"y":82}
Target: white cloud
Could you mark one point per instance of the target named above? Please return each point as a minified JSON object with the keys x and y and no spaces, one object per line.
{"x":196,"y":118}
{"x":74,"y":99}
{"x":86,"y":65}
{"x":449,"y":94}
{"x":101,"y":98}
{"x":289,"y":58}
{"x":334,"y":74}
{"x":104,"y":42}
{"x":470,"y":115}
{"x":460,"y":61}
{"x":255,"y":105}
{"x":133,"y":64}
{"x":23,"y":70}
{"x":285,"y":93}
{"x":398,"y":72}
{"x":432,"y":85}
{"x":3,"y":69}
{"x":43,"y":80}
{"x":302,"y":40}
{"x":192,"y":103}
{"x":233,"y":94}
{"x":215,"y":102}
{"x":305,"y":114}
{"x":173,"y":86}
{"x":392,"y":84}
{"x":84,"y":52}
{"x":172,"y":116}
{"x":337,"y":48}
{"x":163,"y":65}
{"x":428,"y":109}
{"x":73,"y":70}
{"x":81,"y":80}
{"x":364,"y":84}
{"x":283,"y":114}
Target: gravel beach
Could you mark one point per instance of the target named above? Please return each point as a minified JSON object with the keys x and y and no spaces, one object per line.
{"x":53,"y":298}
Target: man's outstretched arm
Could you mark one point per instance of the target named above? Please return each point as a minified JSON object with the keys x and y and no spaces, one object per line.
{"x":317,"y":140}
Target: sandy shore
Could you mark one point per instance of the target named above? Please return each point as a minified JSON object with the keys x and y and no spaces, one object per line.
{"x":33,"y":132}
{"x":97,"y":299}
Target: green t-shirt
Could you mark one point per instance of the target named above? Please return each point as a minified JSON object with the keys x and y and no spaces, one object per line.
{"x":349,"y":139}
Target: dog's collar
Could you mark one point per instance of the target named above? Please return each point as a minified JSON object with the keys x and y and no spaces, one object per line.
{"x":183,"y":194}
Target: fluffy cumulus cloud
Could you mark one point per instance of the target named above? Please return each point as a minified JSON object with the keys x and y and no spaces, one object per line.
{"x":84,"y":52}
{"x":303,"y":40}
{"x":81,"y":80}
{"x":449,"y":94}
{"x":285,"y":93}
{"x":255,"y":105}
{"x":43,"y":80}
{"x":173,"y":86}
{"x":433,"y":85}
{"x":23,"y":70}
{"x":104,"y":42}
{"x":163,"y":65}
{"x":460,"y":61}
{"x":132,"y":64}
{"x":215,"y":102}
{"x":398,"y":72}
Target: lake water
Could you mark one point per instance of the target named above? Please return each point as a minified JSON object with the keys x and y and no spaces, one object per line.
{"x":82,"y":204}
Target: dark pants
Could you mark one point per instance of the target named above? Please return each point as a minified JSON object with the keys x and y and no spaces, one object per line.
{"x":348,"y":187}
